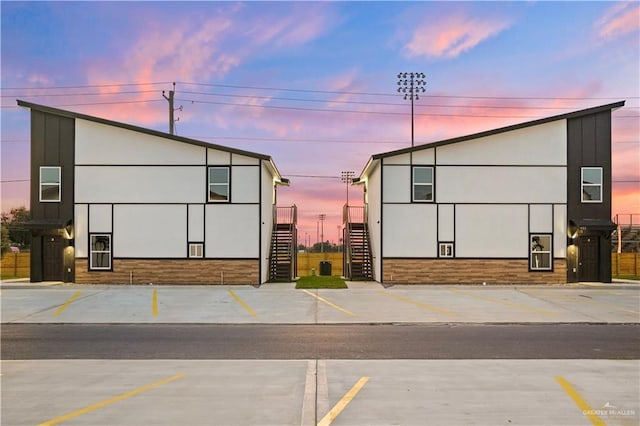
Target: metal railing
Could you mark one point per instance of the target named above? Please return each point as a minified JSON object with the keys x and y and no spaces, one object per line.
{"x":354,"y":214}
{"x":626,"y":237}
{"x":285,"y":215}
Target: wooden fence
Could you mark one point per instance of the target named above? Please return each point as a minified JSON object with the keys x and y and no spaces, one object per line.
{"x":16,"y":265}
{"x":625,"y":264}
{"x":309,"y":261}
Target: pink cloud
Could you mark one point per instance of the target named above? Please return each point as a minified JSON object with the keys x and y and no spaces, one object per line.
{"x":619,"y":20}
{"x":450,"y":36}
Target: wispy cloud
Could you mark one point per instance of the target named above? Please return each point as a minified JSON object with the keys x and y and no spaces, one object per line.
{"x":620,"y":19}
{"x":450,"y":36}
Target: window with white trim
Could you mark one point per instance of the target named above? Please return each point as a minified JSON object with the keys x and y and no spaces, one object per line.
{"x":591,"y":184}
{"x":422,"y":184}
{"x":540,"y":254}
{"x":100,"y":252}
{"x":50,"y":189}
{"x":445,"y":250}
{"x":218,"y":184}
{"x":196,"y":250}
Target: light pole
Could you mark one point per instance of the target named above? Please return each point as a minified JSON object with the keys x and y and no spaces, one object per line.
{"x":322,"y":217}
{"x":411,"y":84}
{"x":347,"y":177}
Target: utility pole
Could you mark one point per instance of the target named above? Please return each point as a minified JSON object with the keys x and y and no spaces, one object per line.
{"x":322,"y":217}
{"x":172,"y":121}
{"x":411,"y":84}
{"x":347,"y":178}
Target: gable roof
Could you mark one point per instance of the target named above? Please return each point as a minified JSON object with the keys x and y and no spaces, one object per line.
{"x":74,"y":115}
{"x":537,"y":122}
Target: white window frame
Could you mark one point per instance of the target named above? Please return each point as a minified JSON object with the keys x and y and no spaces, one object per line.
{"x":534,"y":250}
{"x":108,"y":251}
{"x":196,"y":250}
{"x":414,"y":184}
{"x":50,"y":184}
{"x":590,"y":185}
{"x":445,"y":250}
{"x":227,"y":184}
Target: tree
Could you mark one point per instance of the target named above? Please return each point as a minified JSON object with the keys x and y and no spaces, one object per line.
{"x":13,"y":226}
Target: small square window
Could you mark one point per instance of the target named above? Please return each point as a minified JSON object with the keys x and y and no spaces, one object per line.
{"x":445,"y":250}
{"x":50,"y":184}
{"x":422,"y":184}
{"x":100,"y":252}
{"x":540,"y":255}
{"x":195,"y":250}
{"x":218,"y":184}
{"x":591,"y":184}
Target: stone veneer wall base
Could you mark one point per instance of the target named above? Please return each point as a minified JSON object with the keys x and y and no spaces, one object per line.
{"x":470,"y":271}
{"x":172,"y":271}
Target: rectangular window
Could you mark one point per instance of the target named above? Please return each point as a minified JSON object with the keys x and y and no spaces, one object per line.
{"x":50,"y":184}
{"x":218,"y":184}
{"x":540,"y":256}
{"x":100,"y":252}
{"x":423,"y":184}
{"x":445,"y":250}
{"x":592,"y":184}
{"x":195,"y":250}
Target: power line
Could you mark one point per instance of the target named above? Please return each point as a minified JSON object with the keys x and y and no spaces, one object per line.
{"x":128,"y":92}
{"x":87,"y":86}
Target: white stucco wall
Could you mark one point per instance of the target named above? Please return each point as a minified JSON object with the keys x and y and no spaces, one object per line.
{"x":560,"y":230}
{"x":541,"y":218}
{"x":446,"y":222}
{"x":100,"y":218}
{"x":544,"y":144}
{"x":149,"y":231}
{"x":486,"y":231}
{"x":140,"y":184}
{"x":196,"y":222}
{"x":396,"y":184}
{"x":102,"y":144}
{"x":267,"y":219}
{"x":478,"y":184}
{"x":410,"y":230}
{"x":374,"y":187}
{"x":245,"y":184}
{"x":80,"y":230}
{"x":232,"y":231}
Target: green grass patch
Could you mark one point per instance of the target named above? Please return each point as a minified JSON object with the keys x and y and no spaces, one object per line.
{"x":320,"y":281}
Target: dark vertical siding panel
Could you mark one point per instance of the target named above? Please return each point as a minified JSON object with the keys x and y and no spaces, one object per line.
{"x":588,"y":140}
{"x":603,"y":153}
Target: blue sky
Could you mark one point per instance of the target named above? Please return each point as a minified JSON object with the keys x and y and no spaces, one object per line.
{"x":313,"y":83}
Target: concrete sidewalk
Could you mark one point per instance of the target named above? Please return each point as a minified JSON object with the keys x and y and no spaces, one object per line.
{"x":362,"y":302}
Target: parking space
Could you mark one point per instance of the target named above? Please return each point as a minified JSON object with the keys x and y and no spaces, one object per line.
{"x":443,"y":392}
{"x":283,"y":304}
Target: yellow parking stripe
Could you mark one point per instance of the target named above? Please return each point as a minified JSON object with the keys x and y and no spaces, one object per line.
{"x":580,"y":402}
{"x":110,"y":401}
{"x":66,"y":304}
{"x":346,"y":399}
{"x":419,"y":304}
{"x":333,"y":305}
{"x":154,"y":303}
{"x":509,"y":304}
{"x":242,"y":303}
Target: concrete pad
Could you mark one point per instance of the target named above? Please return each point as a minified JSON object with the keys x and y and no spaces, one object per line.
{"x":406,"y":392}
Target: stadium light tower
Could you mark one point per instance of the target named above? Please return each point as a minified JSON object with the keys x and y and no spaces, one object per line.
{"x":411,"y":84}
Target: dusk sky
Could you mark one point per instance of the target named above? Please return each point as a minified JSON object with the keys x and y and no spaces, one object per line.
{"x":313,"y":84}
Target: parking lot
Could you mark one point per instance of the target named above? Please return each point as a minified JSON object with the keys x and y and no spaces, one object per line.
{"x":400,"y":392}
{"x":283,"y":304}
{"x":317,"y":391}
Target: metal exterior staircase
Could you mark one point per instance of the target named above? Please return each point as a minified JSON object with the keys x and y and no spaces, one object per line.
{"x":283,"y":259}
{"x":626,"y":238}
{"x":358,"y":263}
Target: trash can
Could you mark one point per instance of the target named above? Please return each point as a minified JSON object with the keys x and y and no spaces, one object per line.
{"x":325,"y":267}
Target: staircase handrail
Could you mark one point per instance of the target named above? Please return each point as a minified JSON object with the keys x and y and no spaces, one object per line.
{"x":285,"y":215}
